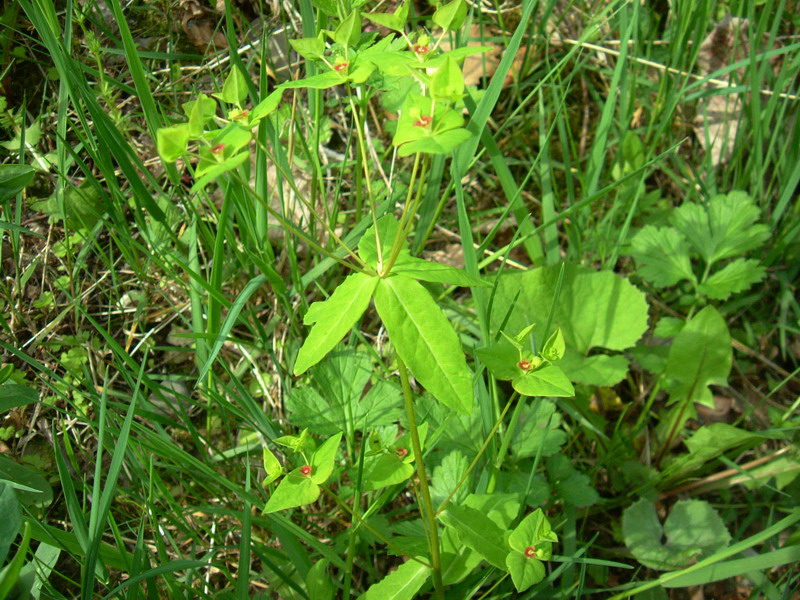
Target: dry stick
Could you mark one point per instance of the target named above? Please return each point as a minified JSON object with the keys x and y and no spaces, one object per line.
{"x":714,"y":481}
{"x":720,"y":83}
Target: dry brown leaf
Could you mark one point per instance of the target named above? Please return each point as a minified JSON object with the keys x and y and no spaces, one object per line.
{"x":200,"y":26}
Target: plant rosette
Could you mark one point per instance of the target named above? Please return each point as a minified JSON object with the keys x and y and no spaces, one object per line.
{"x":531,"y":543}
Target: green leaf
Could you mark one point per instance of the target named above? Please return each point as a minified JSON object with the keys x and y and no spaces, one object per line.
{"x":547,"y":381}
{"x":458,"y":560}
{"x":14,"y":179}
{"x":271,"y":465}
{"x":615,"y":318}
{"x":337,"y":401}
{"x":668,"y":327}
{"x":534,"y":435}
{"x":425,"y":340}
{"x":384,"y":470}
{"x":601,"y":370}
{"x":401,"y":584}
{"x":534,"y":532}
{"x":311,"y":48}
{"x":318,"y":581}
{"x":12,"y":519}
{"x":735,"y":277}
{"x":555,"y":346}
{"x":387,"y":231}
{"x":501,"y":508}
{"x":524,"y":571}
{"x":501,"y":359}
{"x":478,"y":532}
{"x":448,"y":82}
{"x":426,"y":270}
{"x":692,"y":529}
{"x":395,"y":21}
{"x":294,"y":490}
{"x":700,"y":355}
{"x":725,"y":229}
{"x":662,"y":256}
{"x":322,"y":81}
{"x":733,"y":568}
{"x":200,"y":112}
{"x":709,"y":442}
{"x":324,"y":459}
{"x":436,"y":143}
{"x":234,"y":90}
{"x":451,"y":16}
{"x":266,"y":107}
{"x":32,"y":487}
{"x":447,"y":475}
{"x":333,"y":318}
{"x":573,"y":487}
{"x":172,"y":142}
{"x":348,"y":33}
{"x":13,"y":396}
{"x":213,"y":172}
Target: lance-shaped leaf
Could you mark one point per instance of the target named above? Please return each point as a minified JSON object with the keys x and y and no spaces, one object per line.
{"x":401,"y":584}
{"x":427,"y":270}
{"x":333,"y":318}
{"x":425,"y":340}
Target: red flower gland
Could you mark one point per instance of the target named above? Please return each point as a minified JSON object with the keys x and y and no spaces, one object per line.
{"x":217,"y":149}
{"x":339,"y":67}
{"x":401,"y":452}
{"x":420,"y":49}
{"x":306,"y":470}
{"x":524,"y":364}
{"x":242,"y":114}
{"x":424,"y":121}
{"x":530,"y":552}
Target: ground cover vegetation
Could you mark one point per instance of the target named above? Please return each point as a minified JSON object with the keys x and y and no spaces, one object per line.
{"x":391,"y":300}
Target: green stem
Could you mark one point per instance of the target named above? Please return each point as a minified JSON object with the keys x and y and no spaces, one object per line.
{"x":430,"y":515}
{"x":501,"y":454}
{"x":398,"y":242}
{"x":367,"y":526}
{"x":480,"y":453}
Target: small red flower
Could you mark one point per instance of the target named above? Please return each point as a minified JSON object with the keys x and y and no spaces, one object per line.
{"x":530,"y":552}
{"x":217,"y":149}
{"x":524,"y":364}
{"x":401,"y":452}
{"x":424,"y":121}
{"x":420,"y":49}
{"x":339,"y":67}
{"x":242,"y":114}
{"x":306,"y":470}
